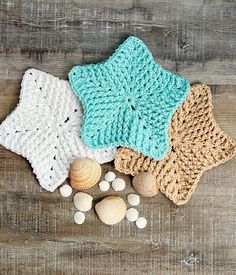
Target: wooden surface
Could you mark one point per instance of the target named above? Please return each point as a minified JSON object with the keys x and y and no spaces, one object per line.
{"x":37,"y":233}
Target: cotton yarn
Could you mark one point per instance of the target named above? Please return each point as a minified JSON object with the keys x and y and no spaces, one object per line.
{"x":128,"y":100}
{"x":197,"y":144}
{"x":45,"y":129}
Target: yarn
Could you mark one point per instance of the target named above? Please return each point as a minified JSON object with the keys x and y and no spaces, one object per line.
{"x":128,"y":100}
{"x":197,"y":144}
{"x":45,"y":128}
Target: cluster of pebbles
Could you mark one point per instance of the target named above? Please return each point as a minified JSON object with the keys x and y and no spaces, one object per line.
{"x":85,"y":173}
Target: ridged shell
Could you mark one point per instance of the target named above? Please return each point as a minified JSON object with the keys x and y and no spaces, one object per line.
{"x":83,"y":201}
{"x":84,"y":173}
{"x":111,"y":210}
{"x":145,"y":184}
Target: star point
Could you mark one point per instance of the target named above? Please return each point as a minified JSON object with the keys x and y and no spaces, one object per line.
{"x":45,"y":128}
{"x":197,"y":145}
{"x":128,"y":100}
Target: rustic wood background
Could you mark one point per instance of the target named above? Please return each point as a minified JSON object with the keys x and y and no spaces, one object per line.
{"x":37,"y":233}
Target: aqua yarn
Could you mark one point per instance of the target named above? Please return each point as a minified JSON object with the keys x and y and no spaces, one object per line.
{"x":128,"y":100}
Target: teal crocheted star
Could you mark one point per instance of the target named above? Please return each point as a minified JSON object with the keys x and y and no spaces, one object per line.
{"x":128,"y":100}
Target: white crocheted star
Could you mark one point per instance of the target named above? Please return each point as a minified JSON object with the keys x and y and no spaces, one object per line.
{"x":45,"y":128}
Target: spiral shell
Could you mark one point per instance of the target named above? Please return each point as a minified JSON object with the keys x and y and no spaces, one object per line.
{"x":145,"y":184}
{"x":111,"y":210}
{"x":84,"y":173}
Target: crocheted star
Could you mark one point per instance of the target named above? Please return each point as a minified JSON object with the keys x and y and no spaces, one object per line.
{"x":128,"y":100}
{"x":45,"y":128}
{"x":197,"y":144}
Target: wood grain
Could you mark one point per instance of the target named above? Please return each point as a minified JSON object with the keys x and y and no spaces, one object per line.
{"x":37,"y":232}
{"x":194,"y":38}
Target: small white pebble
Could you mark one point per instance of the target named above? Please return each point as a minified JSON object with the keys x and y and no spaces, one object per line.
{"x":132,"y":214}
{"x":104,"y":185}
{"x":133,"y":199}
{"x":141,"y":222}
{"x":110,"y":176}
{"x":79,"y":217}
{"x":65,"y":190}
{"x":118,"y":184}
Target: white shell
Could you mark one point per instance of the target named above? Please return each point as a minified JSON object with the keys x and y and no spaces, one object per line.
{"x":133,"y":199}
{"x":65,"y":190}
{"x":111,"y":210}
{"x":141,"y":222}
{"x":79,"y":217}
{"x":104,"y":185}
{"x":83,"y":201}
{"x":110,"y":176}
{"x":132,"y":214}
{"x":118,"y":184}
{"x":145,"y":184}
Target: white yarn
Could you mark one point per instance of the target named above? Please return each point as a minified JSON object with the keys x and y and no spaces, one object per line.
{"x":45,"y":128}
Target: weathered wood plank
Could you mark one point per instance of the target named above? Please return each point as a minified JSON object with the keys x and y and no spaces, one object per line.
{"x":194,"y":38}
{"x":37,"y":233}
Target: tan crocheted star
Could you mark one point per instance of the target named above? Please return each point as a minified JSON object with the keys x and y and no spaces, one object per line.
{"x":197,"y":144}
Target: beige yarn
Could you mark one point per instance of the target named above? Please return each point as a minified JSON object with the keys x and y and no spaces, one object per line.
{"x":197,"y":144}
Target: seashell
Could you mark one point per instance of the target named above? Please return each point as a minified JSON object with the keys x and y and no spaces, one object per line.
{"x":141,"y":222}
{"x":132,"y":214}
{"x":110,"y":176}
{"x":118,"y":184}
{"x":111,"y":210}
{"x":145,"y":184}
{"x":133,"y":199}
{"x":83,"y":201}
{"x":84,"y":173}
{"x":79,"y":217}
{"x":65,"y":190}
{"x":104,"y":185}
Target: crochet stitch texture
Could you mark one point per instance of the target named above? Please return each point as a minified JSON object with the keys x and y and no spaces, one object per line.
{"x":45,"y":128}
{"x":197,"y":144}
{"x":128,"y":100}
